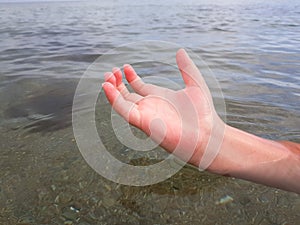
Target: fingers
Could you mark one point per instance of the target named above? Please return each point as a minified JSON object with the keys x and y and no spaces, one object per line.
{"x":115,"y":79}
{"x":118,"y":75}
{"x":127,"y":109}
{"x":139,"y":86}
{"x":109,"y":77}
{"x":189,"y":71}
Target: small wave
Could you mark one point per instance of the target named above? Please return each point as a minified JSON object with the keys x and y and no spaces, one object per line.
{"x":72,"y":57}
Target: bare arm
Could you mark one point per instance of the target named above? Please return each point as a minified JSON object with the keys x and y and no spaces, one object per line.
{"x":263,"y":161}
{"x":185,"y":122}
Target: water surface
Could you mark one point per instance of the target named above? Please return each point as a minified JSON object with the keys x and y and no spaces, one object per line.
{"x":253,"y":50}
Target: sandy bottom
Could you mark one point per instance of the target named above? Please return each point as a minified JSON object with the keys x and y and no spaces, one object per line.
{"x":45,"y":180}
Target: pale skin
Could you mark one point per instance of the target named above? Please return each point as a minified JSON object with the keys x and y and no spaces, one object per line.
{"x":159,"y":113}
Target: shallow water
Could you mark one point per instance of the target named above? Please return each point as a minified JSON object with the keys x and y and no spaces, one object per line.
{"x":253,"y":50}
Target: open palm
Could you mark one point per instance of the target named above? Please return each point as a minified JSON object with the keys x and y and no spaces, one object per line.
{"x":180,"y":121}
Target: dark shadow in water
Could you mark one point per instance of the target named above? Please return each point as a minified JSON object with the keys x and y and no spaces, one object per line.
{"x":49,"y":109}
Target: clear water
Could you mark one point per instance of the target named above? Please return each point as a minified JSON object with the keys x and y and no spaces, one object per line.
{"x":253,"y":50}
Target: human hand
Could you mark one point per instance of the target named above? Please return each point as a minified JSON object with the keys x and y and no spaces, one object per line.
{"x":186,"y":124}
{"x":182,"y":122}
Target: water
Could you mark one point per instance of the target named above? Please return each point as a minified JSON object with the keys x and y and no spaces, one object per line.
{"x":253,"y":50}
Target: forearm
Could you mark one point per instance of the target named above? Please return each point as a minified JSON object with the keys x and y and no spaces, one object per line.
{"x":252,"y":158}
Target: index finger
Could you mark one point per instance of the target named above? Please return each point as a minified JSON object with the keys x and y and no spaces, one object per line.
{"x":127,"y":109}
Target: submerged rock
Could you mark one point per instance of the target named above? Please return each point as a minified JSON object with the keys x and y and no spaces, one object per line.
{"x":224,"y":200}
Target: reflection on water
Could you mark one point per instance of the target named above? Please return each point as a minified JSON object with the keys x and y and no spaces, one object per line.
{"x":252,"y":48}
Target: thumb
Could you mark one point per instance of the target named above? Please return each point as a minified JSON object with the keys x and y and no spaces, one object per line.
{"x":189,"y":71}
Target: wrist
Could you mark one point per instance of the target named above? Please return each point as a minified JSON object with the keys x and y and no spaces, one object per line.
{"x":228,"y":158}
